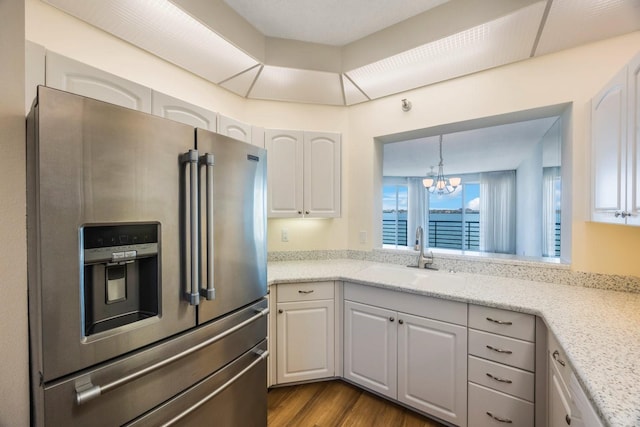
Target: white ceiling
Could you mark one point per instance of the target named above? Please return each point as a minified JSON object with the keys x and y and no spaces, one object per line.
{"x":494,"y":148}
{"x":294,"y":50}
{"x":331,"y":22}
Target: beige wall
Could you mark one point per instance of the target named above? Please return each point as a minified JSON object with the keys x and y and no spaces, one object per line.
{"x":569,"y":76}
{"x":14,"y":392}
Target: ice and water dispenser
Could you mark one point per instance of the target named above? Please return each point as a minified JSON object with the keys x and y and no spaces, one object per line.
{"x":121,"y":275}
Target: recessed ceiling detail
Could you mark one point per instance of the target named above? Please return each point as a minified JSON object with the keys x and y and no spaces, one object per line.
{"x":219,"y":44}
{"x":163,"y":29}
{"x":332,"y":22}
{"x":289,"y":84}
{"x":242,"y":83}
{"x":489,"y":45}
{"x":575,"y":22}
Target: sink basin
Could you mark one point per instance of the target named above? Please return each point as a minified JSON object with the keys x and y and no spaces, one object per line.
{"x":412,"y":277}
{"x":396,"y":273}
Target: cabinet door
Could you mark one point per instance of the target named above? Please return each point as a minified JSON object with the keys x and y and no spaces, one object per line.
{"x":234,"y":128}
{"x":305,"y":340}
{"x":284,"y":173}
{"x":370,"y":347}
{"x":72,"y":76}
{"x":175,"y":109}
{"x":608,"y":138}
{"x":322,"y":174}
{"x":34,"y":64}
{"x":432,"y":367}
{"x":559,"y":406}
{"x":633,"y":141}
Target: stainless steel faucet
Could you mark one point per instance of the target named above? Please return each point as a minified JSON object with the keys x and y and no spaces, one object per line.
{"x":423,"y":261}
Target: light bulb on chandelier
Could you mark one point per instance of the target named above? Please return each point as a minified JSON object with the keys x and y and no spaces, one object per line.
{"x":439,"y":183}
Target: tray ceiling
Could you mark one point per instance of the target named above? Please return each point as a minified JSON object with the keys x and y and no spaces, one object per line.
{"x":346,"y":53}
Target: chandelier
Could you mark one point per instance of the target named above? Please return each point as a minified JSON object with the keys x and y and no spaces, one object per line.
{"x":439,"y":183}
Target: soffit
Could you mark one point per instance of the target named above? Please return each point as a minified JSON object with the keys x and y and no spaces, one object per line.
{"x":443,"y":40}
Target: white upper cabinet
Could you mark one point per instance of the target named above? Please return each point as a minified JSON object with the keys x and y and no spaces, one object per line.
{"x":322,"y":158}
{"x":615,"y":136}
{"x":175,"y":109}
{"x":304,"y":174}
{"x":234,"y":128}
{"x":284,"y":173}
{"x":34,"y":55}
{"x":72,"y":76}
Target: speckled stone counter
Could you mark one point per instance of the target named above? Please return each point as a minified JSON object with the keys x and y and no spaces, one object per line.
{"x":599,"y":330}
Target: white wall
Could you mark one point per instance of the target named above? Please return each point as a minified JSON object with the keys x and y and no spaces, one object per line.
{"x":529,"y":203}
{"x":14,"y":392}
{"x":571,"y":76}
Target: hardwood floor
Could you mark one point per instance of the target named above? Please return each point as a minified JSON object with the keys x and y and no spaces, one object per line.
{"x":337,"y":403}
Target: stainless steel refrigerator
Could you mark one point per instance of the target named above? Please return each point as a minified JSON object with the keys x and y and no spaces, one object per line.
{"x":147,"y":269}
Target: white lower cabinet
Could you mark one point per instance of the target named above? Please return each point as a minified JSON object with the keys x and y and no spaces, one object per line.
{"x":418,"y":361}
{"x":568,"y":404}
{"x":370,"y":347}
{"x":305,"y":332}
{"x":502,"y":363}
{"x":432,"y":367}
{"x":488,"y":407}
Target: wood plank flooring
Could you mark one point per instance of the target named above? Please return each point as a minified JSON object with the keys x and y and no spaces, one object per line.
{"x":337,"y":403}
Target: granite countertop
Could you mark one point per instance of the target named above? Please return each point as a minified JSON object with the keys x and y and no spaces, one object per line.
{"x":599,"y":330}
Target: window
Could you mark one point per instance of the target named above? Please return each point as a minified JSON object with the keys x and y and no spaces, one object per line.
{"x":454,"y":219}
{"x":509,"y":200}
{"x":394,"y":214}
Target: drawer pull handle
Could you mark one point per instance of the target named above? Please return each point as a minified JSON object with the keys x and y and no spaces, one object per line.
{"x":499,"y":419}
{"x":567,"y":419}
{"x":499,"y":322}
{"x":556,"y":357}
{"x":305,"y":292}
{"x":502,"y":380}
{"x":499,"y":350}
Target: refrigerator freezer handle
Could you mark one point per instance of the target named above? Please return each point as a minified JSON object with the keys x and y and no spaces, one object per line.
{"x":262,"y":355}
{"x":191,"y":157}
{"x":209,"y":292}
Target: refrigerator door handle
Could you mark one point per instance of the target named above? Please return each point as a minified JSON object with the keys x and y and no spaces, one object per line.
{"x":209,"y":292}
{"x":88,"y":391}
{"x":191,"y":157}
{"x":262,"y":355}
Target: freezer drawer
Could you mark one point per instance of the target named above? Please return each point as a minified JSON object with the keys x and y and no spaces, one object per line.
{"x":124,"y":389}
{"x":234,"y":396}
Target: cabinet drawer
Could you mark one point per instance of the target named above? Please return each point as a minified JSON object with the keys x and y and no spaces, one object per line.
{"x":558,"y":360}
{"x":305,"y":291}
{"x":509,"y":351}
{"x":503,"y":322}
{"x":500,"y":377}
{"x":487,"y":407}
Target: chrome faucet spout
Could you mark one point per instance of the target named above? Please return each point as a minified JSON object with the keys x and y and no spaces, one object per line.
{"x":423,"y":261}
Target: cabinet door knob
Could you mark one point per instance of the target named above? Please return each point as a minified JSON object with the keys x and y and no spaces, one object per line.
{"x":299,"y":212}
{"x":280,"y":311}
{"x":401,"y":321}
{"x":306,"y":212}
{"x":499,"y":350}
{"x":391,"y":319}
{"x":500,"y":322}
{"x":617,"y":214}
{"x":502,"y":380}
{"x":556,"y":357}
{"x":499,"y":419}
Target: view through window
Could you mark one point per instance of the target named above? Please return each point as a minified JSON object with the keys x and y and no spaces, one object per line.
{"x":508,"y":202}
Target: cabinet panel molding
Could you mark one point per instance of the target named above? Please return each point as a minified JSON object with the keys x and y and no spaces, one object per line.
{"x":72,"y":76}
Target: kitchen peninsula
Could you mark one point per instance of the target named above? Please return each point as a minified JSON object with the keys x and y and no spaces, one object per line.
{"x":596,"y":328}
